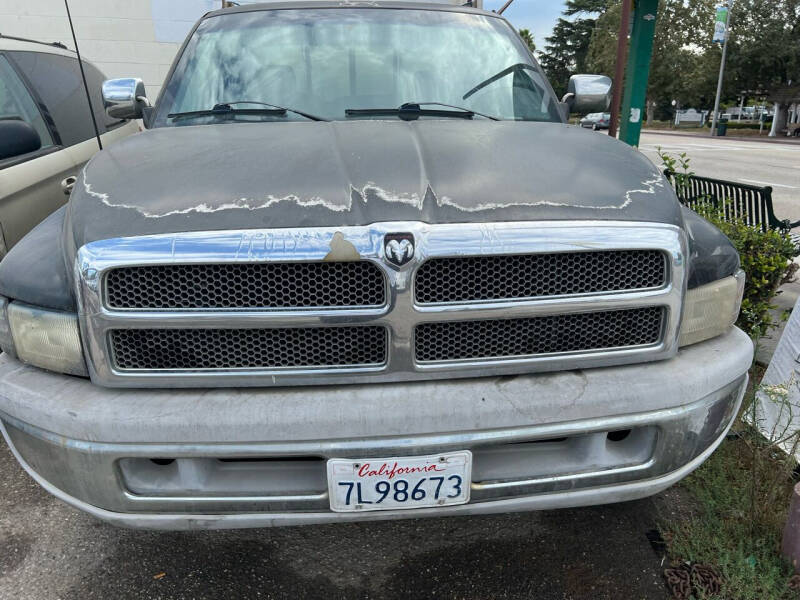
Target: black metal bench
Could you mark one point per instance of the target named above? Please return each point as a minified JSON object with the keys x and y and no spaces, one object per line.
{"x":752,"y":203}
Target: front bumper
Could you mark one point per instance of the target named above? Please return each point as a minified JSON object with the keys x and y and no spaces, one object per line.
{"x":186,"y":459}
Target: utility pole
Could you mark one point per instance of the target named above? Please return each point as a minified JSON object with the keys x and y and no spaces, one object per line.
{"x":729,"y":4}
{"x":638,"y":70}
{"x":619,"y":74}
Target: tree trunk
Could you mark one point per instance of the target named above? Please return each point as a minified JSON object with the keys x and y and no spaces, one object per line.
{"x":651,"y":112}
{"x":779,"y":120}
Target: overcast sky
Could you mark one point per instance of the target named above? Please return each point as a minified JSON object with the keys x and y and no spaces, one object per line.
{"x":537,"y":15}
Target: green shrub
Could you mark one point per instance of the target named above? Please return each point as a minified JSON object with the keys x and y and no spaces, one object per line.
{"x":767,"y":257}
{"x":767,"y":260}
{"x":737,"y":125}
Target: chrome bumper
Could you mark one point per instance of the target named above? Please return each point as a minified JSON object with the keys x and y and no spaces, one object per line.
{"x":539,"y":441}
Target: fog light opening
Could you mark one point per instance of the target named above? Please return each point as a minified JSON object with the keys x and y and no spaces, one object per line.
{"x":618,"y":436}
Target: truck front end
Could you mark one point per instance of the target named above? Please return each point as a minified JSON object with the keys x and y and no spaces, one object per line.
{"x":344,"y":276}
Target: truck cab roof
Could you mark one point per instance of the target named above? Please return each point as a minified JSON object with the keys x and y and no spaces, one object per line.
{"x":448,"y":5}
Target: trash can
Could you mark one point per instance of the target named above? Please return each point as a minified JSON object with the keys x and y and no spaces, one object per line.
{"x":722,"y":127}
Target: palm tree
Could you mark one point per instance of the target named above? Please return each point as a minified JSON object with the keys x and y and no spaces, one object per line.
{"x":527,"y":37}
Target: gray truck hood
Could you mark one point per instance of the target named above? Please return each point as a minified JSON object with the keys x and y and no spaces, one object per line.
{"x":297,"y":174}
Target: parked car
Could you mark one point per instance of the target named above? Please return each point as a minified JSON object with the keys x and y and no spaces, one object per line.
{"x":596,"y":121}
{"x":349,"y":272}
{"x":46,"y":131}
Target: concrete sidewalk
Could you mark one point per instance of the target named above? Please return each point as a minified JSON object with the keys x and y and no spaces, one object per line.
{"x":785,"y":301}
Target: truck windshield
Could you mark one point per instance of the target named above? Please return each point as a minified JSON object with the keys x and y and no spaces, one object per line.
{"x":338,"y":63}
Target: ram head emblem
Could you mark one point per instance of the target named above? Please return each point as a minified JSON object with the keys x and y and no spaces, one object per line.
{"x":398,"y":248}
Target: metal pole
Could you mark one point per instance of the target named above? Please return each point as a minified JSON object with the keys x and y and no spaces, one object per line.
{"x":722,"y":68}
{"x":637,"y":74}
{"x":505,"y":6}
{"x":619,"y":72}
{"x":83,"y":77}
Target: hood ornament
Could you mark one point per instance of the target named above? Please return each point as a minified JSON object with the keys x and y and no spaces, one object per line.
{"x":398,"y":248}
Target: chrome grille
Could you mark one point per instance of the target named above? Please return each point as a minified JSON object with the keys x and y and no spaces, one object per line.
{"x":262,"y":307}
{"x":212,"y":349}
{"x":246,"y":285}
{"x":457,"y":340}
{"x":476,"y":278}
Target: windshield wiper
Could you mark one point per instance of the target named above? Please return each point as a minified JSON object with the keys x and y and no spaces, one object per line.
{"x":226,"y":109}
{"x":411,"y":111}
{"x":500,"y":75}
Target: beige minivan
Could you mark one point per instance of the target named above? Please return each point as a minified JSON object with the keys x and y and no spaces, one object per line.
{"x":46,"y":131}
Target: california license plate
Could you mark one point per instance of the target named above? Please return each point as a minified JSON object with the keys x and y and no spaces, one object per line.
{"x":357,"y":485}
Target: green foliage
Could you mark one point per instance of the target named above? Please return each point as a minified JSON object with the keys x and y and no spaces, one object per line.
{"x":566,"y":49}
{"x":737,"y":125}
{"x":742,"y":494}
{"x":762,"y":52}
{"x":767,"y":257}
{"x":527,"y":37}
{"x":765,"y":37}
{"x":727,"y":530}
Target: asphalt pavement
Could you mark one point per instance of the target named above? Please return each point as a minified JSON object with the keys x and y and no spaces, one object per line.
{"x":48,"y":550}
{"x":753,"y":162}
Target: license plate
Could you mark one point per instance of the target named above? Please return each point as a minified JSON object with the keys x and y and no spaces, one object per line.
{"x":358,"y":485}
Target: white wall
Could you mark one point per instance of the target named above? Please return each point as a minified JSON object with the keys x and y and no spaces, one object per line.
{"x":124,"y":38}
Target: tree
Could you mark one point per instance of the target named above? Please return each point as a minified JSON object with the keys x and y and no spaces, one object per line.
{"x":682,"y":40}
{"x":765,"y":43}
{"x":527,"y":37}
{"x":566,"y":49}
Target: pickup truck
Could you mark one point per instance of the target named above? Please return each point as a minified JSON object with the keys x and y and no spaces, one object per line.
{"x":359,"y":267}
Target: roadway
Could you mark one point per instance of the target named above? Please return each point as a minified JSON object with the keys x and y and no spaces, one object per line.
{"x":753,"y":162}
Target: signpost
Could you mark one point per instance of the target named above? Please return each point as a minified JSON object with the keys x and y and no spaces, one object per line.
{"x":721,"y":28}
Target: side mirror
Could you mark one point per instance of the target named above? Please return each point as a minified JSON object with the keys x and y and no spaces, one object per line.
{"x":17,"y":137}
{"x":588,"y":93}
{"x":124,"y":98}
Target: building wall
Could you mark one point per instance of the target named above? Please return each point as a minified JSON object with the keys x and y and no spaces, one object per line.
{"x":124,"y":38}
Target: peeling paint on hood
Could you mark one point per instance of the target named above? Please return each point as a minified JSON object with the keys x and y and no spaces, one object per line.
{"x":296,"y":174}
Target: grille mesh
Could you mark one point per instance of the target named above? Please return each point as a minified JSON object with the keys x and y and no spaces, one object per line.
{"x":477,"y":278}
{"x":538,"y":335}
{"x":262,"y":285}
{"x":248,"y":348}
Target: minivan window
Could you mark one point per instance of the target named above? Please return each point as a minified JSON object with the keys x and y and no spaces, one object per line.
{"x":57,"y":80}
{"x":325,"y":61}
{"x":17,"y":103}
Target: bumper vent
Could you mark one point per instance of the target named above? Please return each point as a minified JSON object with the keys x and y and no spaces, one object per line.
{"x":481,"y":278}
{"x":246,"y":286}
{"x":459,"y":340}
{"x":215,"y":349}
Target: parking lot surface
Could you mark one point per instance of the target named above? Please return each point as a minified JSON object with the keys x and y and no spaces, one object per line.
{"x":49,"y":550}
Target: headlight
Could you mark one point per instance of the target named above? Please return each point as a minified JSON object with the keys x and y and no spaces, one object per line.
{"x":44,"y":338}
{"x":710,"y":310}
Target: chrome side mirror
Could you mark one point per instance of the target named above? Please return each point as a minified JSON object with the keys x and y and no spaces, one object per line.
{"x":588,"y":93}
{"x":124,"y":98}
